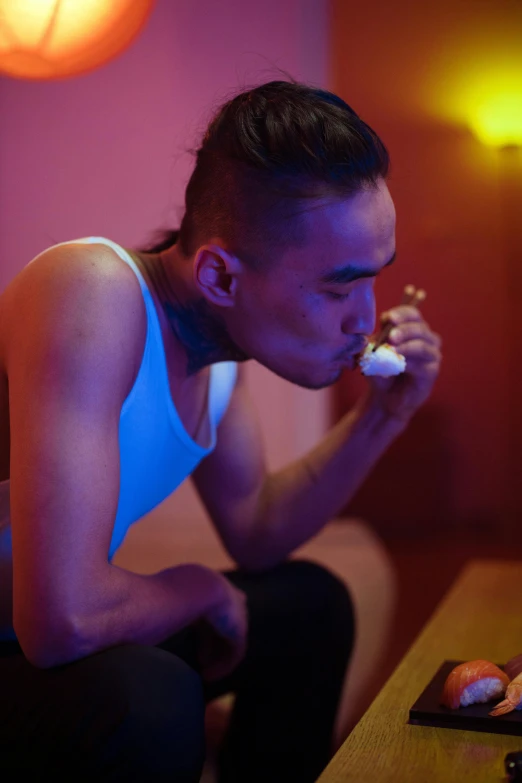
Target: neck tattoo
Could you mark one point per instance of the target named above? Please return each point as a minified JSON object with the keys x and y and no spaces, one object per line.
{"x":203,"y":335}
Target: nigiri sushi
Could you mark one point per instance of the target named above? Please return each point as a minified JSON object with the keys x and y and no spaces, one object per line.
{"x":513,"y":700}
{"x":472,"y":682}
{"x":385,"y":361}
{"x":513,"y":667}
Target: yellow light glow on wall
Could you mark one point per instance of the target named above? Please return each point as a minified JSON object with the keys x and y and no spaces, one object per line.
{"x":475,"y":79}
{"x":498,"y":121}
{"x":53,"y":39}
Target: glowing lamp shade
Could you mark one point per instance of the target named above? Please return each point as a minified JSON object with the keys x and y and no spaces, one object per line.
{"x":498,"y":121}
{"x":53,"y":39}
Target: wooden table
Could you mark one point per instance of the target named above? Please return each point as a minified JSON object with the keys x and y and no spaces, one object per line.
{"x":480,"y":617}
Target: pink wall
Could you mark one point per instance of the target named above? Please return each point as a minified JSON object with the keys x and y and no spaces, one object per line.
{"x":105,"y":153}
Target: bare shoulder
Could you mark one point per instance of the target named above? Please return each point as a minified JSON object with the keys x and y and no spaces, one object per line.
{"x":69,"y":274}
{"x":74,"y":290}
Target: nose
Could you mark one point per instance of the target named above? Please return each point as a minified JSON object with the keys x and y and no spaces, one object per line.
{"x":360,"y":312}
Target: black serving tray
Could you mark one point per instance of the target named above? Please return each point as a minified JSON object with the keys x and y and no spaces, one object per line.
{"x":427,"y":710}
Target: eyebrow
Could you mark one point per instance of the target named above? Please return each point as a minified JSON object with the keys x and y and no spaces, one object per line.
{"x":347,"y":274}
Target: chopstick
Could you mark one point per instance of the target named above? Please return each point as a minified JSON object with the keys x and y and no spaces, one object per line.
{"x":411,"y":296}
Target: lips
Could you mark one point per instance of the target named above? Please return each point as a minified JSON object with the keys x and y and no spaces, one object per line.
{"x":358,"y":349}
{"x":351,"y":355}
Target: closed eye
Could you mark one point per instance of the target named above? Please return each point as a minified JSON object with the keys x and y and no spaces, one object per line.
{"x":337,"y":297}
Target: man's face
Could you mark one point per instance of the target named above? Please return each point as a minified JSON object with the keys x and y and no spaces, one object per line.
{"x":307,"y":315}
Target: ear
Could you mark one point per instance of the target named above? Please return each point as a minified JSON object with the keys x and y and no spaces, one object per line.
{"x":216,"y":274}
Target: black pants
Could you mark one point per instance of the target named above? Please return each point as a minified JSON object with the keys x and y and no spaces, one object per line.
{"x":136,"y":712}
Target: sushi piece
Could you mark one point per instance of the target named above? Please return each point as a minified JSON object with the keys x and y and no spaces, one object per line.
{"x":513,"y":667}
{"x":384,"y":361}
{"x":473,"y":682}
{"x":513,"y":700}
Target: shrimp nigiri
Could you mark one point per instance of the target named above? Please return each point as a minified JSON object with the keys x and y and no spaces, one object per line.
{"x":472,"y":682}
{"x":513,"y":700}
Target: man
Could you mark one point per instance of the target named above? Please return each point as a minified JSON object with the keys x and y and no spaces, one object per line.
{"x":119,"y":379}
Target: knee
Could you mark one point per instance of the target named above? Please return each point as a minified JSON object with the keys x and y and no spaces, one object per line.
{"x":360,"y":560}
{"x":155,"y":707}
{"x":321,"y":598}
{"x":319,"y":587}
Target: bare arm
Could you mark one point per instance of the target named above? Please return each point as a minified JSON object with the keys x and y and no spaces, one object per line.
{"x":263,"y":517}
{"x":71,"y":362}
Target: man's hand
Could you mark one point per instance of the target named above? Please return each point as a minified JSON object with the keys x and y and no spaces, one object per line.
{"x":223,"y":634}
{"x":401,"y":395}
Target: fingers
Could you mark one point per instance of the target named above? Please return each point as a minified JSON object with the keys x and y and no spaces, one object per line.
{"x":413,"y":330}
{"x":223,"y":635}
{"x":411,"y":334}
{"x":408,"y":308}
{"x":398,"y":315}
{"x":420,"y":352}
{"x":219,"y":656}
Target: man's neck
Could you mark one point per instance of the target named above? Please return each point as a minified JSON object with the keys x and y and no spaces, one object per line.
{"x":200,"y":331}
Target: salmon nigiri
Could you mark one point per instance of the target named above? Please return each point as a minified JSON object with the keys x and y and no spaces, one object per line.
{"x":513,"y":700}
{"x":472,"y":682}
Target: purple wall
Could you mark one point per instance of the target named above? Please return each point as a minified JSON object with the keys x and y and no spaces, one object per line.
{"x":105,"y":153}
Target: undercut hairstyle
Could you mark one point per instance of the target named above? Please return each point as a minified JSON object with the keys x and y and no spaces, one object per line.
{"x":266,"y":156}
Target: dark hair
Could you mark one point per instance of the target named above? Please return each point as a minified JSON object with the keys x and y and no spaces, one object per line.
{"x":265,"y":155}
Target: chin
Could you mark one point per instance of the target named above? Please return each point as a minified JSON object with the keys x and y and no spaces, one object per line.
{"x":315,"y":376}
{"x":329,"y":381}
{"x":314,"y":382}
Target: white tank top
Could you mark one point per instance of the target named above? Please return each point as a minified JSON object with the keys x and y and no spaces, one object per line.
{"x":156,"y":452}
